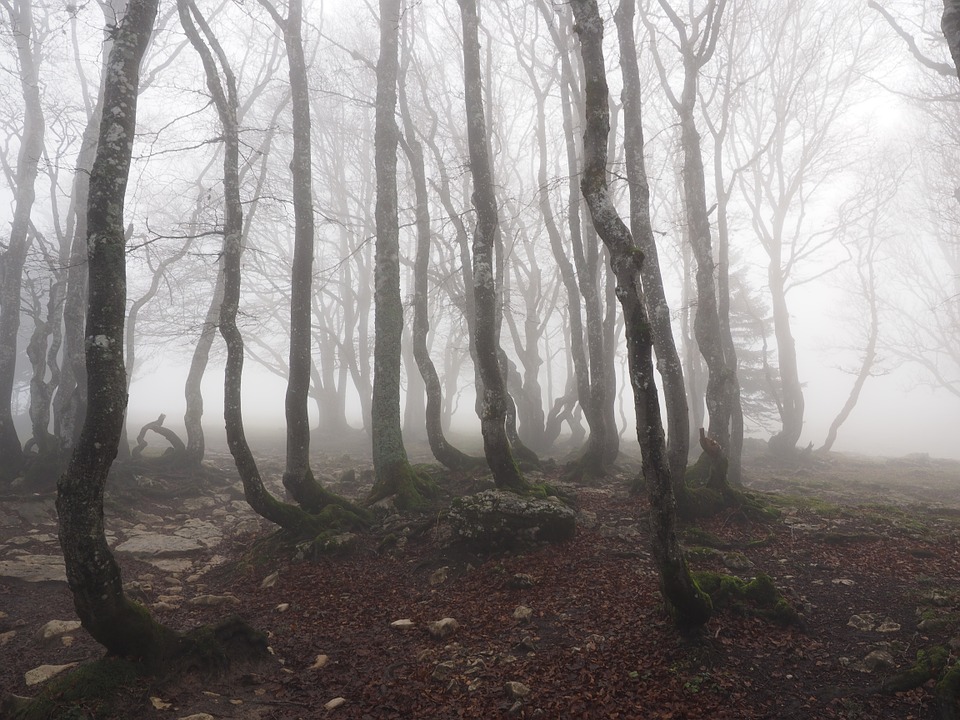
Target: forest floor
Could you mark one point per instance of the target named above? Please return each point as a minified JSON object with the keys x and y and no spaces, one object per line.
{"x":867,"y":549}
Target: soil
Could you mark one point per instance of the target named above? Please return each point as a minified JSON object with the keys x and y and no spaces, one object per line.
{"x":856,"y":536}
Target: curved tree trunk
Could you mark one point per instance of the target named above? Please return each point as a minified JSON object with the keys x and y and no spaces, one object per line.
{"x":668,"y":358}
{"x":442,"y":450}
{"x":493,"y":406}
{"x":11,"y":262}
{"x":690,"y":605}
{"x":225,"y":99}
{"x":123,"y":627}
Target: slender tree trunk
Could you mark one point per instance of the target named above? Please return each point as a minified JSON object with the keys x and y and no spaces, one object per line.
{"x":123,"y":627}
{"x":791,"y":392}
{"x":668,"y":358}
{"x":394,"y":475}
{"x":689,"y":604}
{"x":224,"y":94}
{"x":493,"y":405}
{"x":442,"y":450}
{"x":11,"y":262}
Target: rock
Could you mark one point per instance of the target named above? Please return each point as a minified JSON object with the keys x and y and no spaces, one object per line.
{"x":928,"y":625}
{"x":282,"y":607}
{"x":195,"y":504}
{"x":205,"y":533}
{"x":737,"y":561}
{"x":45,"y":672}
{"x":404,"y":624}
{"x":443,"y":670}
{"x":500,"y":518}
{"x":888,"y":626}
{"x":34,"y":568}
{"x":442,"y":629}
{"x":270,"y":580}
{"x":157,"y":545}
{"x":7,"y":637}
{"x":335,"y":703}
{"x":56,"y":628}
{"x":198,"y":716}
{"x":844,"y":581}
{"x":587,"y":518}
{"x":245,"y":526}
{"x":520,"y":581}
{"x":160,"y":704}
{"x":864,"y":621}
{"x":522,"y":612}
{"x":320,"y":662}
{"x":439,"y":576}
{"x":213,"y":600}
{"x":879,"y":660}
{"x":516,"y":690}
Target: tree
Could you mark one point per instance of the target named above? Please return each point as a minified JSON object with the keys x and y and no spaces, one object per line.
{"x":696,"y":43}
{"x":493,"y":406}
{"x":122,"y":626}
{"x":668,"y":358}
{"x":690,"y":605}
{"x":443,"y":451}
{"x":20,"y":13}
{"x":950,"y":24}
{"x":394,"y":474}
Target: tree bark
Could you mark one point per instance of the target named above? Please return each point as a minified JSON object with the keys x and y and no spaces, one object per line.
{"x":689,"y":604}
{"x":11,"y":262}
{"x":123,"y":627}
{"x":394,"y":475}
{"x":668,"y":358}
{"x":442,"y":450}
{"x":950,"y":25}
{"x":493,"y":405}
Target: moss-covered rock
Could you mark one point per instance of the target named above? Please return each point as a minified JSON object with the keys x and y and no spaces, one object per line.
{"x":497,"y":519}
{"x":758,"y":596}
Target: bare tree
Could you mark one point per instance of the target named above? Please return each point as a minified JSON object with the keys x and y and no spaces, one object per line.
{"x":493,"y":408}
{"x":690,"y":605}
{"x":20,"y":14}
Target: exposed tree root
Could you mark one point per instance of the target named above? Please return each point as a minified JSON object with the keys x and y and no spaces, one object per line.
{"x":412,"y":487}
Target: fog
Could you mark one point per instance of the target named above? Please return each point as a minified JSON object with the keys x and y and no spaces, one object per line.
{"x":846,"y":166}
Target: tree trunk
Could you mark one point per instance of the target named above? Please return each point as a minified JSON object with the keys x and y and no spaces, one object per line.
{"x":286,"y":516}
{"x":493,"y":405}
{"x":668,"y":358}
{"x":394,"y":475}
{"x":123,"y":627}
{"x":791,"y":397}
{"x":192,"y":392}
{"x":11,"y":262}
{"x":442,"y":450}
{"x":950,"y":25}
{"x":689,"y":604}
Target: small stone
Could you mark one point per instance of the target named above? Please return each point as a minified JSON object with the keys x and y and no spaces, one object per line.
{"x":160,"y":704}
{"x":520,"y":581}
{"x":888,"y":626}
{"x":7,"y":637}
{"x":282,"y":607}
{"x":198,"y":716}
{"x":879,"y":660}
{"x":213,"y":600}
{"x":439,"y":576}
{"x":67,"y":640}
{"x":522,"y":613}
{"x":844,"y":581}
{"x":444,"y":628}
{"x":443,"y":670}
{"x":864,"y":622}
{"x":335,"y":703}
{"x":56,"y":628}
{"x":403,"y":624}
{"x":516,"y":690}
{"x":320,"y":662}
{"x":270,"y":580}
{"x":44,"y":672}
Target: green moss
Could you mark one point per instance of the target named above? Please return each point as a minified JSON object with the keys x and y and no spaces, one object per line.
{"x":758,"y":596}
{"x":411,"y":487}
{"x":948,"y":686}
{"x":929,"y":664}
{"x":86,"y":692}
{"x":699,"y":536}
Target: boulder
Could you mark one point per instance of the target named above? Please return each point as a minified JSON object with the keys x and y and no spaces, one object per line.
{"x":499,"y":518}
{"x":44,"y":672}
{"x":442,"y":629}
